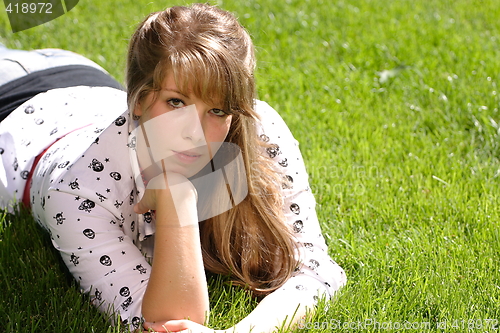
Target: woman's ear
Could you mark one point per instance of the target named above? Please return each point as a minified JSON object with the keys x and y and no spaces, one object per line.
{"x":143,"y":104}
{"x":138,"y":110}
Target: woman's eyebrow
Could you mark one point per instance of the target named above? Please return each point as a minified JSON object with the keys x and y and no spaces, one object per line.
{"x":175,"y":91}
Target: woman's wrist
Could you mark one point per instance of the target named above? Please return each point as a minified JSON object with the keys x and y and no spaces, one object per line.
{"x":177,"y":204}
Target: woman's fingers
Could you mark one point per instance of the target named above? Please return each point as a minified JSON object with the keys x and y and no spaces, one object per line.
{"x":148,"y":201}
{"x":144,"y":205}
{"x":169,"y":326}
{"x":178,"y":326}
{"x":173,"y":192}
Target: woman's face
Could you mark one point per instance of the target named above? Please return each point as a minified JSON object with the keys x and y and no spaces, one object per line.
{"x":181,"y":130}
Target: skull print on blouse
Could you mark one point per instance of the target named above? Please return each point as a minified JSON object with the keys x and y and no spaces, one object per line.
{"x":84,"y":190}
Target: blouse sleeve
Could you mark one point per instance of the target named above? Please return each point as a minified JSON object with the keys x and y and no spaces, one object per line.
{"x":317,"y":274}
{"x":101,"y":257}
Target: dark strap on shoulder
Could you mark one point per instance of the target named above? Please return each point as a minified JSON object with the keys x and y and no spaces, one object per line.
{"x":16,"y":92}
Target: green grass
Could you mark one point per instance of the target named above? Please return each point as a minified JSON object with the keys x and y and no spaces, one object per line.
{"x":395,"y":104}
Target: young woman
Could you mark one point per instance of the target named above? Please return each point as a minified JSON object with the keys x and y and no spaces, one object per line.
{"x":143,"y":192}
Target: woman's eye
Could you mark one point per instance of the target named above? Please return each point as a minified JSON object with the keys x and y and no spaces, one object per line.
{"x":218,"y":112}
{"x":176,"y":103}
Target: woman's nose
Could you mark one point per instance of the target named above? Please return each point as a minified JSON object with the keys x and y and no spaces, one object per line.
{"x":192,"y":128}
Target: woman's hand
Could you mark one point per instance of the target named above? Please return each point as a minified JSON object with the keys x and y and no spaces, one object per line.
{"x":170,"y":184}
{"x":187,"y":326}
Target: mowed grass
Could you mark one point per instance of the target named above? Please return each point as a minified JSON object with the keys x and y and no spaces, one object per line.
{"x":395,"y":104}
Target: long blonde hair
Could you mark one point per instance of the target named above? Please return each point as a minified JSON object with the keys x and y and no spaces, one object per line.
{"x":208,"y":51}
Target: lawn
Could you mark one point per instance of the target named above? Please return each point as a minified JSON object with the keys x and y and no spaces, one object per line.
{"x":395,"y":104}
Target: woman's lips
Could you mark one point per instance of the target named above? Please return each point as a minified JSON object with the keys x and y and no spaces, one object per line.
{"x":187,"y":157}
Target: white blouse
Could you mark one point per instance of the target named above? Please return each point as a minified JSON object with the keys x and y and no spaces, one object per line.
{"x":84,"y":189}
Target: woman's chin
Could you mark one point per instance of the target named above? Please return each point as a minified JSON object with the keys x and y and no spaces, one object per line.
{"x":186,"y":171}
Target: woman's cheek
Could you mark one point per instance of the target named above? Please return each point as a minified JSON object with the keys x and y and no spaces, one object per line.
{"x":217,"y":132}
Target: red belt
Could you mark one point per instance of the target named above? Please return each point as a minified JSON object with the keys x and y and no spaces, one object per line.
{"x":26,"y":194}
{"x":27,"y":187}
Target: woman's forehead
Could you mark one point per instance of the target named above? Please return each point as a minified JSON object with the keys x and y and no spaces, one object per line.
{"x":169,"y":84}
{"x":192,"y":86}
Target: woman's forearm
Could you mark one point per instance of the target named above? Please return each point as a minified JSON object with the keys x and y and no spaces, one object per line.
{"x":177,"y":287}
{"x":284,"y":308}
